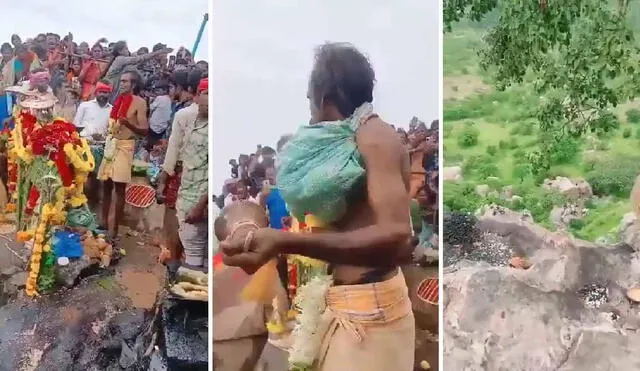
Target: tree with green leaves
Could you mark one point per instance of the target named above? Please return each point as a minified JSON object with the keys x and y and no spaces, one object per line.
{"x":580,"y":55}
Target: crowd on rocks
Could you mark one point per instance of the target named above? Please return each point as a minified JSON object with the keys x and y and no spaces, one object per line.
{"x":145,"y":115}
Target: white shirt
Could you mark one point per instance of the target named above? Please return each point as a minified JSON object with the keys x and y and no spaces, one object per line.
{"x":93,"y":118}
{"x":181,"y":119}
{"x":160,"y":117}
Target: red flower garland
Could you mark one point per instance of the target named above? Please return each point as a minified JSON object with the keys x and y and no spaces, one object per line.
{"x":32,"y":200}
{"x":51,"y":139}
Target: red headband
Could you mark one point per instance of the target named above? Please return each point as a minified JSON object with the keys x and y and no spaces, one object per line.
{"x":102,"y":87}
{"x":204,"y":85}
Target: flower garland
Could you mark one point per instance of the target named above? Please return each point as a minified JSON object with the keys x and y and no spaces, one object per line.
{"x":306,"y":339}
{"x":48,"y":166}
{"x":310,"y":288}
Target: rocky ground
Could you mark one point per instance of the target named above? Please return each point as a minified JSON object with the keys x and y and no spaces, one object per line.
{"x":99,"y":322}
{"x":568,"y":311}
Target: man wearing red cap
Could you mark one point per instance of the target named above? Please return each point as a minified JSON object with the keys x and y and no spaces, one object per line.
{"x":92,"y":121}
{"x":93,"y":116}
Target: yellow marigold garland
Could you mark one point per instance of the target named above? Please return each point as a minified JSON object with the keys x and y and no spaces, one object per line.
{"x":52,"y":213}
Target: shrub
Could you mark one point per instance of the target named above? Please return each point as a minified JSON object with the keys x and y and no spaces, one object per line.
{"x":494,"y":183}
{"x":564,"y":151}
{"x":576,"y":224}
{"x":469,"y":136}
{"x":472,"y":163}
{"x":540,"y":204}
{"x":519,"y":155}
{"x":503,"y":144}
{"x":461,"y":197}
{"x":526,"y":128}
{"x":626,"y":133}
{"x":522,"y":171}
{"x":488,"y":169}
{"x":614,"y":175}
{"x":633,"y":115}
{"x":492,"y":150}
{"x":513,"y":144}
{"x":637,"y":135}
{"x":515,"y":130}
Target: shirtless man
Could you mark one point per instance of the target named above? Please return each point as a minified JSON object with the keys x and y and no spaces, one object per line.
{"x":129,"y":121}
{"x":367,"y":244}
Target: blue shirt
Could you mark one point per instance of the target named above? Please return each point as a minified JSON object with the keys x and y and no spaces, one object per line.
{"x":277,"y":209}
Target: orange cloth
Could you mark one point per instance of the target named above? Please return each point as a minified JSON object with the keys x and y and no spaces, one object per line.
{"x":91,"y":72}
{"x":54,"y":58}
{"x":368,"y":327}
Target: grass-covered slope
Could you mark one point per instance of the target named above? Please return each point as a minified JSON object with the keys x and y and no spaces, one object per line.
{"x":489,"y":133}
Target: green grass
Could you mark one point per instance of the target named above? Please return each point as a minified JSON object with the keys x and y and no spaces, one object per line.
{"x":602,"y":220}
{"x":500,"y":117}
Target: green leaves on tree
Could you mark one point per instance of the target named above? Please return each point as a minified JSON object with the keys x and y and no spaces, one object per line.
{"x":580,"y":56}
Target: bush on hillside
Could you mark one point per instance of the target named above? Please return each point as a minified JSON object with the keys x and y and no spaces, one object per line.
{"x":488,"y":169}
{"x":626,"y":133}
{"x":462,"y":197}
{"x":637,"y":135}
{"x":492,"y":150}
{"x":503,"y":144}
{"x":564,"y":151}
{"x":576,"y":224}
{"x":527,"y":128}
{"x":540,"y":204}
{"x":494,"y":183}
{"x":469,"y":136}
{"x":522,"y":171}
{"x":633,"y":116}
{"x":519,"y":155}
{"x":614,"y":175}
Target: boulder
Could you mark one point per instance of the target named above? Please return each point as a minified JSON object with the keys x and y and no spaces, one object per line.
{"x":572,"y":189}
{"x":629,"y":230}
{"x":482,"y":190}
{"x":452,"y":173}
{"x":561,"y":216}
{"x":598,"y":350}
{"x":568,"y":311}
{"x":69,"y":275}
{"x":494,"y":321}
{"x":507,"y":192}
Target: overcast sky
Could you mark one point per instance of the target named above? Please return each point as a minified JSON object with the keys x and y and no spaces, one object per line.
{"x":139,"y":22}
{"x":263,"y":54}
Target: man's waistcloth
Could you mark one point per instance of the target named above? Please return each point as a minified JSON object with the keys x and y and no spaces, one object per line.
{"x":357,"y":307}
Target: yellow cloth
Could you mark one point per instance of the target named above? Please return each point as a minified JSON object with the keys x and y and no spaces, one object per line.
{"x":368,"y":327}
{"x":118,"y":169}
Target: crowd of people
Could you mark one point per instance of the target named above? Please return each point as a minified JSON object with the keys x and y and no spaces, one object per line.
{"x":253,"y":178}
{"x":144,"y":113}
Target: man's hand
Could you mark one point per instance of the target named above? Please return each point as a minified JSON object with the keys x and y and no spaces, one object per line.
{"x":160,"y":192}
{"x":260,"y":249}
{"x":196,"y":214}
